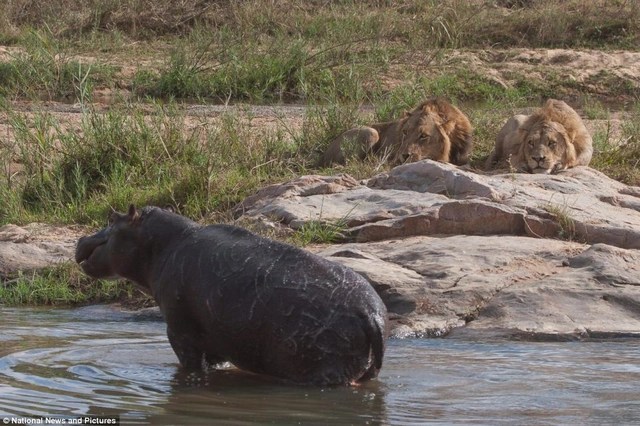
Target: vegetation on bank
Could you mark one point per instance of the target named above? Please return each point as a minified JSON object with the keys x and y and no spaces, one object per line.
{"x":334,"y":57}
{"x":66,"y":284}
{"x":266,"y":51}
{"x":448,"y":23}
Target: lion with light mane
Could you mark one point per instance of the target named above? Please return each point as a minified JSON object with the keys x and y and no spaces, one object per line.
{"x":550,"y":140}
{"x":435,"y":129}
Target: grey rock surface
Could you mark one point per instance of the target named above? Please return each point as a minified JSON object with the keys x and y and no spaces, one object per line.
{"x":454,"y":252}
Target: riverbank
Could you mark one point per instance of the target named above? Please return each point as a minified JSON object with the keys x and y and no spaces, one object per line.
{"x":102,"y":108}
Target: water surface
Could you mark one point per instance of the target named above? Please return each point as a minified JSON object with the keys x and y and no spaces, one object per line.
{"x":99,"y":360}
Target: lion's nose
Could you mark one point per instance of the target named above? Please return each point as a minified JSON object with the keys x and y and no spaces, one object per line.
{"x":538,"y":159}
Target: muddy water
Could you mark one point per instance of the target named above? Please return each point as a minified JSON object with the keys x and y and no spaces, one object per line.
{"x":97,"y":360}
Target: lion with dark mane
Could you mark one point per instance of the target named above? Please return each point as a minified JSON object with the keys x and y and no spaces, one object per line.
{"x":434,"y":130}
{"x":550,"y":140}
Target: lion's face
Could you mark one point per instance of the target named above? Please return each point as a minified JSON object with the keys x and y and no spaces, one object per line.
{"x":544,"y":148}
{"x":421,"y":137}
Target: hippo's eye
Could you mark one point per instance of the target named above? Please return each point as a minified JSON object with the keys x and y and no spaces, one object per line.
{"x":111,"y":219}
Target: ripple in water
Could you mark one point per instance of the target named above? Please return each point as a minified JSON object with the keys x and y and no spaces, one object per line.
{"x":100,"y":361}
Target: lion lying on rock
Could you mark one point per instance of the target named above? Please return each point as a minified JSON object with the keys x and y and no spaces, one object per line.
{"x":551,"y":139}
{"x":435,"y":130}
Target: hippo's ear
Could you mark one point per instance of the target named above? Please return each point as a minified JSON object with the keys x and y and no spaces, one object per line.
{"x":133,"y":214}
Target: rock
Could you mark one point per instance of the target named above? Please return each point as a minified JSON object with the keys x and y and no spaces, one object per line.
{"x":453,"y":252}
{"x":430,"y":198}
{"x":35,"y":246}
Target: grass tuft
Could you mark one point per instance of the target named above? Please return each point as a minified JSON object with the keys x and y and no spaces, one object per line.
{"x":319,"y":232}
{"x":566,"y":224}
{"x":620,"y":159}
{"x":43,"y":71}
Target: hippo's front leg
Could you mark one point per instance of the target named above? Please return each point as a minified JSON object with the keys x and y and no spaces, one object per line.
{"x":189,"y":352}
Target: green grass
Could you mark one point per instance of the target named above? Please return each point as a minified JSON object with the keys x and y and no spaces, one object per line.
{"x":566,"y":224}
{"x":319,"y":232}
{"x":130,"y":154}
{"x":594,"y":109}
{"x":274,"y":75}
{"x":265,"y":52}
{"x":42,"y":70}
{"x":63,"y":284}
{"x":220,"y":66}
{"x":74,"y":173}
{"x":620,"y":159}
{"x":152,"y":156}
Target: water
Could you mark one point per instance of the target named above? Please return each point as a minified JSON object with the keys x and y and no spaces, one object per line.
{"x":97,"y":360}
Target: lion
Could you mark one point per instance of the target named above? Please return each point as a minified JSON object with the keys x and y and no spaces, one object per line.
{"x":548,"y":141}
{"x":435,"y":129}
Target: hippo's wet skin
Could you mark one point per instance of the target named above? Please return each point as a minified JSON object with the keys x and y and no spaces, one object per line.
{"x":230,"y":295}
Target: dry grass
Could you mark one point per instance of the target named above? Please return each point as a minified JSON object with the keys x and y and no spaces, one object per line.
{"x":449,"y":23}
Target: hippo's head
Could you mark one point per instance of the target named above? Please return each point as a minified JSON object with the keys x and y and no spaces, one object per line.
{"x":115,"y":251}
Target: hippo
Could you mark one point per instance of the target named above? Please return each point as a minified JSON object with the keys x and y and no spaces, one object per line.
{"x":229,"y":295}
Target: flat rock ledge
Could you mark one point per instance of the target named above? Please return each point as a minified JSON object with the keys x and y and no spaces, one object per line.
{"x":456,"y":253}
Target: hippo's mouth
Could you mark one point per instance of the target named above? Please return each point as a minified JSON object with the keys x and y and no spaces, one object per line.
{"x":85,"y":258}
{"x":86,"y":249}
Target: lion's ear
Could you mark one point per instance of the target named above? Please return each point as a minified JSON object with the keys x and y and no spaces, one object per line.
{"x":571,"y":135}
{"x":570,"y":154}
{"x":449,"y":126}
{"x":429,"y":107}
{"x":522,"y":133}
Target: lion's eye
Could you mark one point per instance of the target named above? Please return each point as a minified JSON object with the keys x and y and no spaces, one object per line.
{"x":552,"y":144}
{"x":530,"y":143}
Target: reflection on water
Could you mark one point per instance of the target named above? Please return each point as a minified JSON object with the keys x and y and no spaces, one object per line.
{"x":97,"y":360}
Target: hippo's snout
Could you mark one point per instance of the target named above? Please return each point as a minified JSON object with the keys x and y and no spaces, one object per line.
{"x":87,"y":245}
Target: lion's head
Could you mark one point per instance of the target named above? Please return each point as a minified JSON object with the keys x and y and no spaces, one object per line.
{"x":436,"y":130}
{"x":422,"y":134}
{"x":550,"y":140}
{"x":545,"y":148}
